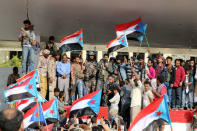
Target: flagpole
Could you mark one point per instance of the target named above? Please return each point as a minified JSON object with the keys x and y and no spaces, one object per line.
{"x":38,"y":114}
{"x":147,"y":41}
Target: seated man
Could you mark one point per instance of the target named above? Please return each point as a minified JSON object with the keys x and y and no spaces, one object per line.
{"x":13,"y":77}
{"x":11,"y":120}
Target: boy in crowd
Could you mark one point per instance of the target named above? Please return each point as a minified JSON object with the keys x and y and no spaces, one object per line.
{"x":151,"y":73}
{"x":177,"y":85}
{"x":148,"y":96}
{"x":188,"y":90}
{"x":161,"y":89}
{"x":115,"y":99}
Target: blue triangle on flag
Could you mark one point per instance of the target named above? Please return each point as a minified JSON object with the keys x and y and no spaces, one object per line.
{"x":38,"y":115}
{"x":52,"y":112}
{"x":94,"y":103}
{"x":139,"y":27}
{"x":123,"y":41}
{"x":80,"y":39}
{"x":163,"y":111}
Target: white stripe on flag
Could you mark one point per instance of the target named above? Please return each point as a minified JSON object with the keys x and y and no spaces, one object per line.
{"x":115,"y":43}
{"x":80,"y":105}
{"x":69,"y":41}
{"x":17,"y":90}
{"x":144,"y":122}
{"x":27,"y":122}
{"x":22,"y":106}
{"x":127,"y":31}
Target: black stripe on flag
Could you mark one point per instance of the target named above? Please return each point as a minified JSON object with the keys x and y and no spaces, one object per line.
{"x":20,"y":96}
{"x":28,"y":107}
{"x":134,"y":35}
{"x":82,"y":112}
{"x":70,"y":47}
{"x":114,"y":48}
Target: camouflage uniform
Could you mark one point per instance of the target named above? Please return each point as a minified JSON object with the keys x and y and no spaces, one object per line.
{"x":52,"y":74}
{"x":90,"y":78}
{"x":103,"y":73}
{"x":43,"y":70}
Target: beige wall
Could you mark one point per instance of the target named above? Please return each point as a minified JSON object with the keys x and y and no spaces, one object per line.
{"x":6,"y":46}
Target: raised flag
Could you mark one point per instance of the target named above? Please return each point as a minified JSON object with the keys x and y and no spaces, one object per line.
{"x":20,"y":91}
{"x":33,"y":73}
{"x":140,"y":38}
{"x":154,"y":111}
{"x":25,"y":105}
{"x":72,"y":42}
{"x":34,"y":115}
{"x":134,"y":27}
{"x":87,"y":105}
{"x":50,"y":109}
{"x":117,"y":43}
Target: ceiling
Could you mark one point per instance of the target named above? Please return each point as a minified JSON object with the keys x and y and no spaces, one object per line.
{"x":171,"y":23}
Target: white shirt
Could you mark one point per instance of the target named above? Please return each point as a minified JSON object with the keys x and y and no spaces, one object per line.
{"x":115,"y":101}
{"x":136,"y":93}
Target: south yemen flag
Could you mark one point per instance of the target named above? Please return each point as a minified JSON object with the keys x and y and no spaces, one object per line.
{"x":87,"y":105}
{"x":117,"y":43}
{"x":154,"y":111}
{"x":72,"y":42}
{"x":132,"y":30}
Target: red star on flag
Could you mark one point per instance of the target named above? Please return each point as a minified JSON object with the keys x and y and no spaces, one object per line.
{"x":80,"y":38}
{"x":30,"y":86}
{"x":122,"y":40}
{"x":158,"y":113}
{"x":137,"y":27}
{"x":52,"y":111}
{"x":36,"y":77}
{"x":35,"y":99}
{"x":93,"y":101}
{"x":37,"y":114}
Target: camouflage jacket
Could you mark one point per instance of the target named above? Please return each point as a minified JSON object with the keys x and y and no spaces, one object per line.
{"x":103,"y":71}
{"x":52,"y":64}
{"x":90,"y":68}
{"x":43,"y":65}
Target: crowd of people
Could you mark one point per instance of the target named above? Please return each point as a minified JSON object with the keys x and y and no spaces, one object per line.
{"x":128,"y":84}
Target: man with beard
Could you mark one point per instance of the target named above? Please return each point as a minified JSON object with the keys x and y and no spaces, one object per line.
{"x":90,"y":73}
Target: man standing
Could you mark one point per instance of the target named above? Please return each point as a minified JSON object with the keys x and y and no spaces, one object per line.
{"x":76,"y":69}
{"x":104,"y":70}
{"x":90,"y":73}
{"x":43,"y":70}
{"x":50,"y":45}
{"x":169,"y":80}
{"x":63,"y":72}
{"x":13,"y":77}
{"x":177,"y":85}
{"x":52,"y":73}
{"x":136,"y":95}
{"x":28,"y":39}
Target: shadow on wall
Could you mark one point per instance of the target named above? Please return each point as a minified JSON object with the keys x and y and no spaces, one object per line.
{"x":4,"y":73}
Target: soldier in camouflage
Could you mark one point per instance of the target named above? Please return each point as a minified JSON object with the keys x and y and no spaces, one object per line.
{"x":90,"y":73}
{"x":104,"y":70}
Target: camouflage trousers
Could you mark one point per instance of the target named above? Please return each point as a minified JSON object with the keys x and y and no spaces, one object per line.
{"x":52,"y":86}
{"x":43,"y":86}
{"x":90,"y":85}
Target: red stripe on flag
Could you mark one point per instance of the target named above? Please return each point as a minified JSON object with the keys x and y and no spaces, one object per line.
{"x":73,"y":35}
{"x":88,"y":96}
{"x":111,"y":42}
{"x":26,"y":76}
{"x":148,"y":110}
{"x":125,"y":26}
